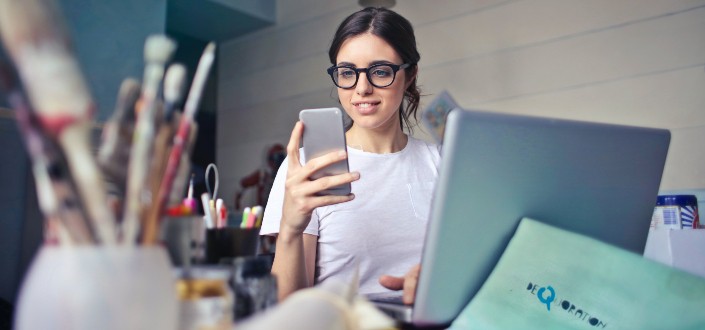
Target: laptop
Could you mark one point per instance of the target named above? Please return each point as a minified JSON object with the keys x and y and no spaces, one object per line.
{"x":599,"y":180}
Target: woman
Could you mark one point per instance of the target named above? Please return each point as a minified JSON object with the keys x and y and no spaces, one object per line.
{"x":379,"y":228}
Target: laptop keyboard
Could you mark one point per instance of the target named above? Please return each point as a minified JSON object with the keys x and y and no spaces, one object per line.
{"x":386,"y":297}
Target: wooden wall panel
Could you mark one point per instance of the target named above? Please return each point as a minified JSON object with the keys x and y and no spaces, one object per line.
{"x":637,"y":62}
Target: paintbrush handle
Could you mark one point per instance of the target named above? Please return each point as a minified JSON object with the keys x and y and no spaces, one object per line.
{"x":182,"y":173}
{"x":89,"y":183}
{"x":151,"y":224}
{"x":56,"y":196}
{"x":114,"y":152}
{"x":205,"y":63}
{"x":36,"y":39}
{"x":158,"y":49}
{"x":199,"y":81}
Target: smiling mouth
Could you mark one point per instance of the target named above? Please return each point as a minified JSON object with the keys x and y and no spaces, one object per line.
{"x":365,"y":105}
{"x":365,"y":108}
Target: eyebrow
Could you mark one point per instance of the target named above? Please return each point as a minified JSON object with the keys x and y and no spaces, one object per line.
{"x":371,"y":64}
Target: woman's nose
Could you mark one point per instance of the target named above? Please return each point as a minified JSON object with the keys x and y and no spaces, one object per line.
{"x":363,"y":86}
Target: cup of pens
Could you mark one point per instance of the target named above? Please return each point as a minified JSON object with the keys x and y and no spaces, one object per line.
{"x":234,"y":238}
{"x":224,"y":244}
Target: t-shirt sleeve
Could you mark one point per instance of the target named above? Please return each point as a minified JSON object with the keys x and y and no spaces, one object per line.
{"x":437,"y":155}
{"x":275,"y":203}
{"x":273,"y":211}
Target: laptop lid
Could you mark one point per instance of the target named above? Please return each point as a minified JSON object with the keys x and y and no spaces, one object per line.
{"x":595,"y":179}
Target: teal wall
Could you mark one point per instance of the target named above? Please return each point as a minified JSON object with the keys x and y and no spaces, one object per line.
{"x":109,"y":40}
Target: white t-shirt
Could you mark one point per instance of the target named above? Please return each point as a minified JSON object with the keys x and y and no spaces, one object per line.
{"x":383,"y":228}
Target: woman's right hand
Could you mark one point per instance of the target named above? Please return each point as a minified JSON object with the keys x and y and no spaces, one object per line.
{"x":300,"y":197}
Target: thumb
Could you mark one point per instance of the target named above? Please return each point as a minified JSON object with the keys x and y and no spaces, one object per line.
{"x":392,"y":282}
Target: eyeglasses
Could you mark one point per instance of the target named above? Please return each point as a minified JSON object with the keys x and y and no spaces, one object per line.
{"x":379,"y":75}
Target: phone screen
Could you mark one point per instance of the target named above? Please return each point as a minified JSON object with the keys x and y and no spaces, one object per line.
{"x":324,"y":133}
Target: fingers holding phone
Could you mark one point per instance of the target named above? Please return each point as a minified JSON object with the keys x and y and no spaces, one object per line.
{"x":300,"y":182}
{"x":306,"y":188}
{"x":324,"y":133}
{"x":292,"y":149}
{"x":325,"y":153}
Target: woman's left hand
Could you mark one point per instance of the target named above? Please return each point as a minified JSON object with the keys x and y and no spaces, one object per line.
{"x":406,"y":283}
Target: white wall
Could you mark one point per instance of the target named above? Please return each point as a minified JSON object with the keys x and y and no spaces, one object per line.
{"x":637,"y":62}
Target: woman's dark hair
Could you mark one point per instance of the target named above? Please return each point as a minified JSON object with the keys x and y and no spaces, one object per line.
{"x":397,"y":32}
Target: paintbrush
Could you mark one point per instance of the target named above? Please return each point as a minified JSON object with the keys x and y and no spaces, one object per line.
{"x":174,"y":82}
{"x":37,"y":42}
{"x":114,"y":152}
{"x":182,"y":174}
{"x":157,"y":51}
{"x":174,"y":86}
{"x":56,"y":195}
{"x":181,"y":138}
{"x":172,"y":100}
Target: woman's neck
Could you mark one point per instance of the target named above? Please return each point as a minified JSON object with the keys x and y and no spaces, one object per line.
{"x":378,"y":142}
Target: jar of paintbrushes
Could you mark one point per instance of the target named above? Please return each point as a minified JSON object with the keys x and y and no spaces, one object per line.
{"x":102,"y":265}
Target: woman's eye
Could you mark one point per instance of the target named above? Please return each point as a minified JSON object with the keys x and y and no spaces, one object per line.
{"x":346,"y":74}
{"x":381,"y":73}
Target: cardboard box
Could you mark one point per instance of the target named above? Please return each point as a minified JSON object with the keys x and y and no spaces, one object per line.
{"x":679,"y":248}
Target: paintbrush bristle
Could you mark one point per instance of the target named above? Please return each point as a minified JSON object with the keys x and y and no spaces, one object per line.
{"x":158,"y":49}
{"x":174,"y":83}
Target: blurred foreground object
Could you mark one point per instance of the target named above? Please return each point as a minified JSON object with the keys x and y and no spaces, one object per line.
{"x":103,"y":287}
{"x":35,"y":37}
{"x":332,"y":305}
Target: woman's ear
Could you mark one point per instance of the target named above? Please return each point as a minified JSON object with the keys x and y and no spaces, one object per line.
{"x":411,"y":77}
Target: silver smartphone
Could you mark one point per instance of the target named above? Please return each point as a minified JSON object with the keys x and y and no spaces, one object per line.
{"x":324,"y":133}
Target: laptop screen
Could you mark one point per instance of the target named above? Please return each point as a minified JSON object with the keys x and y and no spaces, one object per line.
{"x":598,"y":180}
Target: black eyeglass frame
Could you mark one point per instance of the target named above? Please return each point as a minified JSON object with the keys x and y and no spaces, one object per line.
{"x":366,"y":70}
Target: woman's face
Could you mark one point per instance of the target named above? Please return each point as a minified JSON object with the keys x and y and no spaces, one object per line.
{"x":371,"y":107}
